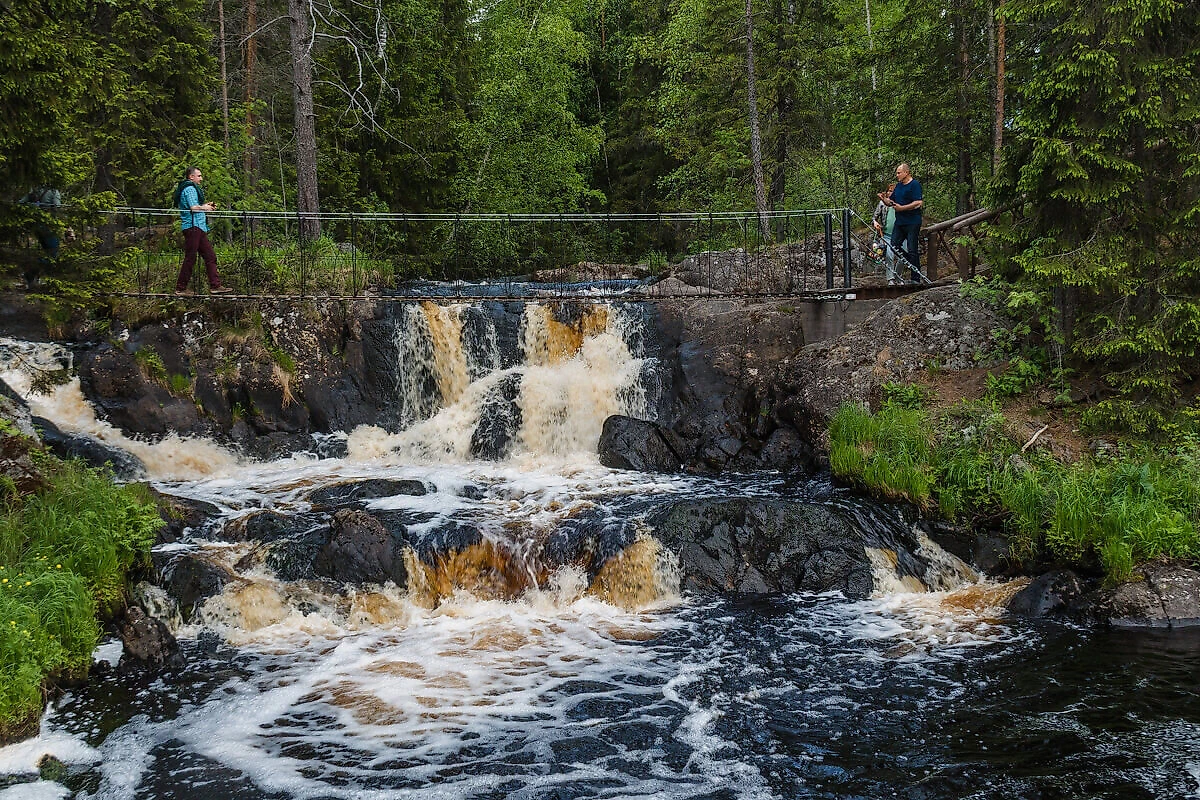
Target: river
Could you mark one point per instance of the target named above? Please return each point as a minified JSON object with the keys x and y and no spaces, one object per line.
{"x":504,"y":676}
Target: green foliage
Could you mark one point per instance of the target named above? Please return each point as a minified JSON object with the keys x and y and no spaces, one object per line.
{"x":64,"y":554}
{"x":905,"y":395}
{"x":281,"y":357}
{"x":93,"y":90}
{"x":530,"y":149}
{"x":1103,"y":152}
{"x":180,"y":385}
{"x":1021,"y":374}
{"x":890,"y":452}
{"x":1127,"y":511}
{"x":1113,"y":513}
{"x":151,"y":364}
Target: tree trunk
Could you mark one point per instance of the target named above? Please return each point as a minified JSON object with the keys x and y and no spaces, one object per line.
{"x":224,"y":96}
{"x":965,"y":179}
{"x":785,"y":103}
{"x":306,"y":122}
{"x":760,"y":188}
{"x":250,"y":157}
{"x":224,"y":73}
{"x":998,"y":130}
{"x":874,"y":84}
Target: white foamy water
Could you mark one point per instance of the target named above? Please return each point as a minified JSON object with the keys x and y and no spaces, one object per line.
{"x":172,"y":457}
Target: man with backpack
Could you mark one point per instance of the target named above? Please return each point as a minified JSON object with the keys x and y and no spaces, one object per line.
{"x":45,"y":199}
{"x":188,"y":197}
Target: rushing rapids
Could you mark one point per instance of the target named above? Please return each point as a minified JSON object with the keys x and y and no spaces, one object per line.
{"x":528,"y":633}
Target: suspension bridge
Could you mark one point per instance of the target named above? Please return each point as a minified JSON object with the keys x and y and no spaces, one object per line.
{"x":811,"y":254}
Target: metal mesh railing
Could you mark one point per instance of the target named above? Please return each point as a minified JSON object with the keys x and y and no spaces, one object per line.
{"x":634,"y":256}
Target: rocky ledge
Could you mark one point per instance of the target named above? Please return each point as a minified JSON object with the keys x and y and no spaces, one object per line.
{"x":1159,"y":594}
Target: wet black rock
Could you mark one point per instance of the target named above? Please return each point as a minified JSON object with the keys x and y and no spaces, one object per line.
{"x":1050,"y":593}
{"x":449,"y":536}
{"x":1158,"y":595}
{"x":763,"y":546}
{"x":291,"y":558}
{"x":588,"y":541}
{"x":472,"y":492}
{"x":90,"y":450}
{"x":499,"y":420}
{"x":114,"y":382}
{"x":361,"y":550}
{"x":14,"y":408}
{"x":272,"y":526}
{"x":355,"y":492}
{"x":181,"y":515}
{"x":634,"y":444}
{"x":148,"y":642}
{"x":190,"y":578}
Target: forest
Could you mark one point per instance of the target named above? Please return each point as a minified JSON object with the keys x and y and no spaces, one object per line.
{"x":1080,"y":119}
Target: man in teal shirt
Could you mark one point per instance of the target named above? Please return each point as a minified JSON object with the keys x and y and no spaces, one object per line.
{"x":189,"y":199}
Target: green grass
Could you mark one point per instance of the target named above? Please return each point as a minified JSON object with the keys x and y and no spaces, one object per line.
{"x":889,"y":453}
{"x":1106,"y":513}
{"x":64,"y":556}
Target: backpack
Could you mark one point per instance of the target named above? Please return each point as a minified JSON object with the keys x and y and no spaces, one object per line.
{"x":177,"y":195}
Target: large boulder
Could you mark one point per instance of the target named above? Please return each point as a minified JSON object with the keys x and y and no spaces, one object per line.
{"x":634,"y":444}
{"x":719,"y":399}
{"x":499,"y":419}
{"x":183,"y":516}
{"x":20,"y":472}
{"x":937,"y":326}
{"x":272,"y":526}
{"x":588,"y":540}
{"x":14,"y":409}
{"x":760,"y":546}
{"x":1158,"y":595}
{"x":125,"y":466}
{"x":361,"y":550}
{"x":148,"y":642}
{"x":190,"y":577}
{"x":1054,"y":592}
{"x":355,"y":493}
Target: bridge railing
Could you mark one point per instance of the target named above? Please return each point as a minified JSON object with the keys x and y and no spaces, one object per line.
{"x":783,"y":253}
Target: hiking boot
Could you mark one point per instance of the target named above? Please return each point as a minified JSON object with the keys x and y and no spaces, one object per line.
{"x":221,"y":290}
{"x":185,"y":292}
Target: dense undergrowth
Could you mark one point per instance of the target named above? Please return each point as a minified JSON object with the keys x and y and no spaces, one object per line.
{"x":1106,"y":511}
{"x":65,"y":552}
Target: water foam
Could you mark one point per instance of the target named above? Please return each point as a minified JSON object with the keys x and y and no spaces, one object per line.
{"x":171,"y":458}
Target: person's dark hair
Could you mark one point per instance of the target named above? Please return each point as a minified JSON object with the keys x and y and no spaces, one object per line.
{"x":187,"y":172}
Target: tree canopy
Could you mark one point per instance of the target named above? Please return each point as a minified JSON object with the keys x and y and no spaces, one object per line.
{"x":644,"y":105}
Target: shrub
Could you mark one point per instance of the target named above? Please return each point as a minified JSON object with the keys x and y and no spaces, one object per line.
{"x":890,"y":453}
{"x":64,"y":554}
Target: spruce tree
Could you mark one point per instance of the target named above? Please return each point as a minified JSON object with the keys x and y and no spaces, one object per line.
{"x":1104,"y":156}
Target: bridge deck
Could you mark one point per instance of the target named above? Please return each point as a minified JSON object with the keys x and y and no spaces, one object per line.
{"x":828,"y":295}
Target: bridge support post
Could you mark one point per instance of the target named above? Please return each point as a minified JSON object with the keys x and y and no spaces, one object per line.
{"x":846,"y":248}
{"x":931,"y":254}
{"x":828,"y":251}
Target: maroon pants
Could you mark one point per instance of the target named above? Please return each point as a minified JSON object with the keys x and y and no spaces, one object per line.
{"x":196,"y":241}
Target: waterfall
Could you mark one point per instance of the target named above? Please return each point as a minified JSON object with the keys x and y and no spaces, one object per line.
{"x":32,"y":369}
{"x":459,"y":397}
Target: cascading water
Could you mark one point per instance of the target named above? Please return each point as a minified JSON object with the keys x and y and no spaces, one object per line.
{"x":535,"y":642}
{"x":460,"y":398}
